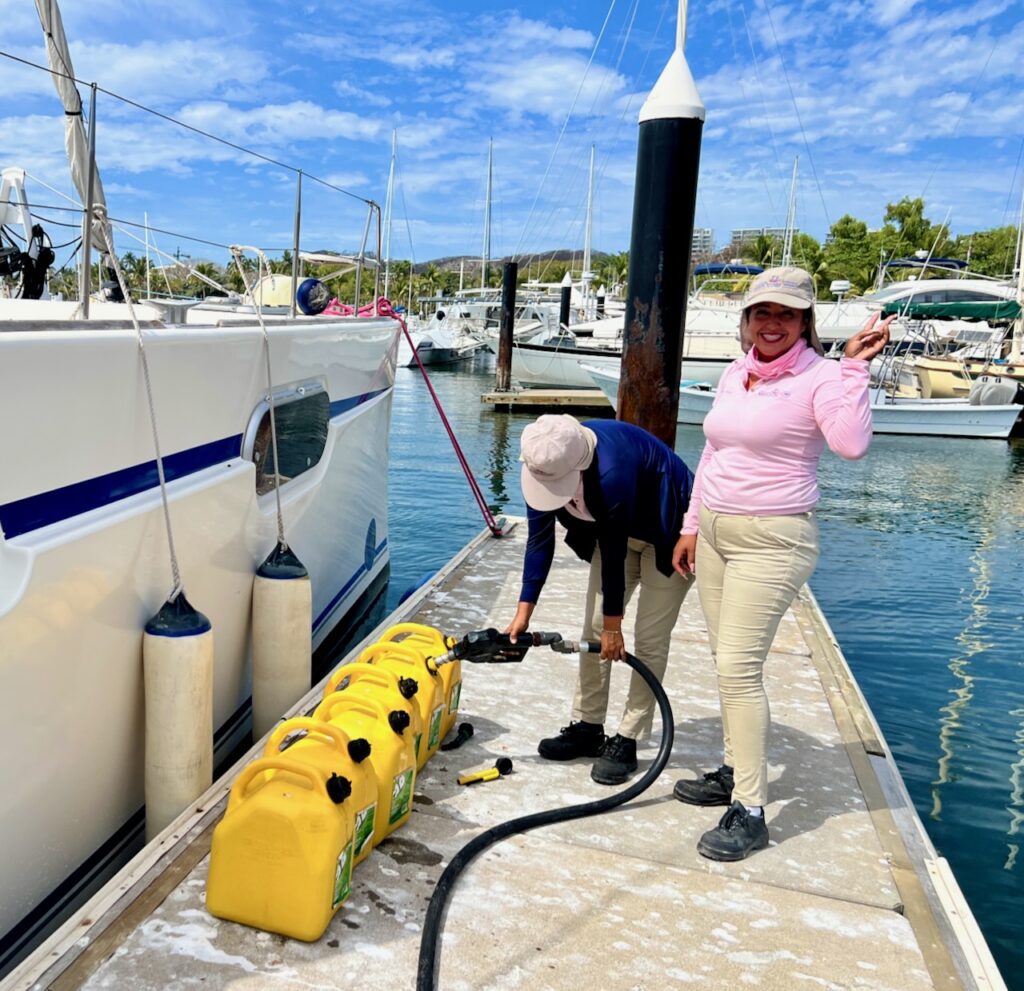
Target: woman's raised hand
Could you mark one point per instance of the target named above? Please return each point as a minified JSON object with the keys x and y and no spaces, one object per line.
{"x":869,"y":340}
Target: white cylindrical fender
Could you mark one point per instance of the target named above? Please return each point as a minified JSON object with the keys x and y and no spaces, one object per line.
{"x":282,"y":638}
{"x":177,"y":662}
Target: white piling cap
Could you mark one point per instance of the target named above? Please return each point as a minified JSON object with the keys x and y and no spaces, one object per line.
{"x":567,"y":279}
{"x":675,"y":93}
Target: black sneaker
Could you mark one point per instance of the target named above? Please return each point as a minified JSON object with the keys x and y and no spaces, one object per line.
{"x":737,"y":835}
{"x":575,"y":740}
{"x":617,"y":761}
{"x":715,"y":788}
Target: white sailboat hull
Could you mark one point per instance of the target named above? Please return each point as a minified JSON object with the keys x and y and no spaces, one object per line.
{"x":84,"y":559}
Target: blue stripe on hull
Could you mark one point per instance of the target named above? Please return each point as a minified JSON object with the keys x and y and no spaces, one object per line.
{"x":362,"y":570}
{"x":34,"y":512}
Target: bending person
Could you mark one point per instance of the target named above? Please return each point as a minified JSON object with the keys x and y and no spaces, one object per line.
{"x":751,"y":530}
{"x":620,"y":494}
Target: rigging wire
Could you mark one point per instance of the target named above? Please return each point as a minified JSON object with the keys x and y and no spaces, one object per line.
{"x":796,"y":111}
{"x":190,"y":127}
{"x":605,"y":157}
{"x":565,"y":124}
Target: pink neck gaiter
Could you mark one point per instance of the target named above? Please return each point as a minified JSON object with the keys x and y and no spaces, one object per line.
{"x":768,"y":370}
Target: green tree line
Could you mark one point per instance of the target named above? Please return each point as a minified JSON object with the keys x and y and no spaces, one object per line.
{"x":855,"y":254}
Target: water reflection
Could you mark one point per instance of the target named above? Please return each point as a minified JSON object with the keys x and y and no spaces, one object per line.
{"x":501,"y":460}
{"x":1016,"y":806}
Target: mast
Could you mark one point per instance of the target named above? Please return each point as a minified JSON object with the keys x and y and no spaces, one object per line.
{"x":388,"y":208}
{"x":787,"y":244}
{"x":485,"y":255}
{"x":588,"y":275}
{"x":1017,"y":343}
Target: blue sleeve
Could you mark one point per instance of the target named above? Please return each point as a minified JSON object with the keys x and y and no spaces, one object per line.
{"x":540,"y":551}
{"x":612,"y":543}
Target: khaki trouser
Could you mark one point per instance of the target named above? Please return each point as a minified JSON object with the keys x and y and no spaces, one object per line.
{"x":657,"y":610}
{"x":749,"y":570}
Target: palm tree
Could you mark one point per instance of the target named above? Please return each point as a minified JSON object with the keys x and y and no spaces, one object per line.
{"x":761,"y":250}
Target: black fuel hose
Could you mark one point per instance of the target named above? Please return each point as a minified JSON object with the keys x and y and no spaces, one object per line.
{"x":429,"y":965}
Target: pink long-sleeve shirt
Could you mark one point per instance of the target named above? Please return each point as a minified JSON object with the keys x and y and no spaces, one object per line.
{"x":763,"y":444}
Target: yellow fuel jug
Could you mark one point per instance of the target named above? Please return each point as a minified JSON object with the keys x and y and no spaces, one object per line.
{"x":394,"y":690}
{"x":282,"y":855}
{"x":402,"y":660}
{"x":330,"y":750}
{"x":431,"y":642}
{"x":392,"y":756}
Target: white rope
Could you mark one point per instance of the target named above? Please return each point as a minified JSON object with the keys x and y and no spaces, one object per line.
{"x":99,"y":214}
{"x":236,"y":253}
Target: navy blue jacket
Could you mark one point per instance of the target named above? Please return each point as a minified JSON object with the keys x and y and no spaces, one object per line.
{"x":636,"y":487}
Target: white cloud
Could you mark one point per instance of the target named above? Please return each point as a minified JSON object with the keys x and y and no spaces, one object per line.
{"x":347,"y":90}
{"x":275,"y":125}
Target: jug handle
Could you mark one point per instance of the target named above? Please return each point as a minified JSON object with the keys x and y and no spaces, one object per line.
{"x":385,"y":647}
{"x":418,"y":631}
{"x":346,"y":669}
{"x":310,"y":777}
{"x":325,"y":710}
{"x":337,"y":736}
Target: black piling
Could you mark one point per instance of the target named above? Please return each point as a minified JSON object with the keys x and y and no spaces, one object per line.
{"x":600,"y":301}
{"x":566,"y":301}
{"x":668,"y":155}
{"x":510,"y":273}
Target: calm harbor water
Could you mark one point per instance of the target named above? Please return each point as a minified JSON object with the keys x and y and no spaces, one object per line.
{"x":921,"y":578}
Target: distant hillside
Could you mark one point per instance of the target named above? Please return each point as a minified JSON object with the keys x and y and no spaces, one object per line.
{"x":452,"y":263}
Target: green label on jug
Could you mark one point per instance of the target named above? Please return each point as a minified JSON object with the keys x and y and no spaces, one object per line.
{"x":419,"y":740}
{"x":365,"y":820}
{"x":343,"y":876}
{"x":401,"y":795}
{"x":434,"y":740}
{"x":453,"y":706}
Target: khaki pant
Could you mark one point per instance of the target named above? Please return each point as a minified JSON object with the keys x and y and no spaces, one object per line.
{"x":657,"y":610}
{"x":749,"y":570}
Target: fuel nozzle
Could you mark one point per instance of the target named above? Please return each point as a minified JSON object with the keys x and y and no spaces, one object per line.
{"x":488,"y":647}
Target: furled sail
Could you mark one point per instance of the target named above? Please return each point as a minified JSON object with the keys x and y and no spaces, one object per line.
{"x":76,"y":140}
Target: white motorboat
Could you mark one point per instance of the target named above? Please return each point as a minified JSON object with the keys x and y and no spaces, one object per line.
{"x":889,"y":415}
{"x":556,"y":362}
{"x":437,"y":342}
{"x":84,"y":553}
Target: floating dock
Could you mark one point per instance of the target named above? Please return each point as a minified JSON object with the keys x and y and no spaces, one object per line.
{"x":545,"y":400}
{"x":850,"y":894}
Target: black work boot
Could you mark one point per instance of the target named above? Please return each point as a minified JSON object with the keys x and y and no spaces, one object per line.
{"x":715,"y":788}
{"x":575,"y":740}
{"x":737,"y":835}
{"x":617,"y":761}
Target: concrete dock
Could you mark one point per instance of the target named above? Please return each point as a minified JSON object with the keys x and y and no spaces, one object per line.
{"x":850,"y":894}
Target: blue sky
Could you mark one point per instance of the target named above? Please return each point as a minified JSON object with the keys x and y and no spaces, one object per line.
{"x":879,"y":98}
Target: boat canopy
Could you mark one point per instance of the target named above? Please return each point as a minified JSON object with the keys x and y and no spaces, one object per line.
{"x":951,"y":263}
{"x":1007,"y":309}
{"x":723,"y":268}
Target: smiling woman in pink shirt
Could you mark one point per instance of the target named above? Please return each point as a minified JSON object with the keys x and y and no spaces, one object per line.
{"x":750,"y":533}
